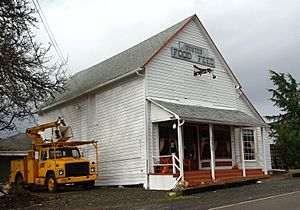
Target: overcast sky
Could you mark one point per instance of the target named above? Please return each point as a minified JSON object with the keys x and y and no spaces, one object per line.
{"x":253,"y":35}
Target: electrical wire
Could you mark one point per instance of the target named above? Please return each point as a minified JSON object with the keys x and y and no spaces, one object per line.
{"x":54,"y":43}
{"x":53,"y":40}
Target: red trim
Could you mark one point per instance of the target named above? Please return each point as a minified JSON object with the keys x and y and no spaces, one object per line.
{"x":168,"y":41}
{"x":229,"y":68}
{"x":182,"y":27}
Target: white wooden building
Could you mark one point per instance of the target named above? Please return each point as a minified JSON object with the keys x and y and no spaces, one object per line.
{"x":166,"y":109}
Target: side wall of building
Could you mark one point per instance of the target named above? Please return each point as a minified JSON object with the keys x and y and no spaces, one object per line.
{"x":114,"y":116}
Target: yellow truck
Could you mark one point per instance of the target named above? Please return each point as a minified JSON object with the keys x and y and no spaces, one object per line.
{"x":56,"y":162}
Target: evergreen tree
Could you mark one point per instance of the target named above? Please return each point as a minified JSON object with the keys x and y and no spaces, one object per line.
{"x":286,"y":125}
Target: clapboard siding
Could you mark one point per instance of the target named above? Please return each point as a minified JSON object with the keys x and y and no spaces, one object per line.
{"x":121,"y":132}
{"x":243,"y":106}
{"x":267,"y":149}
{"x":75,"y":114}
{"x":118,"y":127}
{"x":174,"y":78}
{"x":259,"y":149}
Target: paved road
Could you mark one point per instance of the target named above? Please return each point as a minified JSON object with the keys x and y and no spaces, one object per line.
{"x":277,"y":185}
{"x":286,"y":201}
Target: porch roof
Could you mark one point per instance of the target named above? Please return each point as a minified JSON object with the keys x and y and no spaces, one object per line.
{"x":211,"y":115}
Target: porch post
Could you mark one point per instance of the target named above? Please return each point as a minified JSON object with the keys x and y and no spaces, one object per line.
{"x":212,"y":152}
{"x":264,"y":150}
{"x":242,"y":154}
{"x":180,"y":148}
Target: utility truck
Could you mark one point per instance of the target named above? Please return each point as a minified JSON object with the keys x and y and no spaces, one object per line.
{"x":55,"y":162}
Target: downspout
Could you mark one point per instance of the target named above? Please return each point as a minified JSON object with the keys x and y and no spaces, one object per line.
{"x":147,"y":167}
{"x":180,"y":147}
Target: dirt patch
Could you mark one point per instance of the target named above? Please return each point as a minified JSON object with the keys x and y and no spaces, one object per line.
{"x":21,"y":202}
{"x":76,"y":198}
{"x":139,"y":198}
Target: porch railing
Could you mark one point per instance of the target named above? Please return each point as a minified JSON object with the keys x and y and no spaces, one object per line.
{"x":260,"y":159}
{"x":169,"y":161}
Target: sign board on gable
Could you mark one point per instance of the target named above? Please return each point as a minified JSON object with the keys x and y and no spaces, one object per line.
{"x":192,"y":54}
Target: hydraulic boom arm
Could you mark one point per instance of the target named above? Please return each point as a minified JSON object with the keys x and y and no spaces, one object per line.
{"x":33,"y":132}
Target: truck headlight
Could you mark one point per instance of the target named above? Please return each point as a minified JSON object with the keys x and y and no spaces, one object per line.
{"x":93,"y":169}
{"x":60,"y":172}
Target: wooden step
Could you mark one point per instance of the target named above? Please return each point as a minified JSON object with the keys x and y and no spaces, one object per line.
{"x":204,"y":177}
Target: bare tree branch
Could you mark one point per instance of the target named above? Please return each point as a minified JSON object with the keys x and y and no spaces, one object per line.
{"x":26,"y":76}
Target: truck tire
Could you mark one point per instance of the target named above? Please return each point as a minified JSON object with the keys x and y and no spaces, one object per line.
{"x":51,"y":184}
{"x":19,"y":181}
{"x":88,"y":185}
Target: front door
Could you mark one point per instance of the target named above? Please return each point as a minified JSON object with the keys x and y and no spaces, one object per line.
{"x":191,"y":151}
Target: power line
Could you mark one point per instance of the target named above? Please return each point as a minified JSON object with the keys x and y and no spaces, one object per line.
{"x":48,"y":30}
{"x":52,"y":38}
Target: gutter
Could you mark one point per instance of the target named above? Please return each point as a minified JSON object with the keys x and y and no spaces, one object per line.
{"x":136,"y":71}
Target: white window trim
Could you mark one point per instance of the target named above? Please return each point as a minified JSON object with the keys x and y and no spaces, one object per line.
{"x":255,"y":146}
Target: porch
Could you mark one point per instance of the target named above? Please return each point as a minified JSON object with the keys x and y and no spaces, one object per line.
{"x":168,"y":174}
{"x":203,"y":177}
{"x":203,"y":145}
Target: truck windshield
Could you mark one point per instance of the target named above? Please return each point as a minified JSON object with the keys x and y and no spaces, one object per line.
{"x":64,"y":152}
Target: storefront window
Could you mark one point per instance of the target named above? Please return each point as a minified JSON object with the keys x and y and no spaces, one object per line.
{"x":204,"y":139}
{"x":222,"y":141}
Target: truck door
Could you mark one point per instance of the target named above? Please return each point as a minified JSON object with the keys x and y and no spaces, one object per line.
{"x":42,"y":163}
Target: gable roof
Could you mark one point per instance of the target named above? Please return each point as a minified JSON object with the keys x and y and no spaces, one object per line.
{"x":123,"y":63}
{"x":18,"y":142}
{"x":129,"y":62}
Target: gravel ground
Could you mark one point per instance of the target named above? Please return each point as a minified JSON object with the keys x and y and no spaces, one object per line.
{"x":138,"y":198}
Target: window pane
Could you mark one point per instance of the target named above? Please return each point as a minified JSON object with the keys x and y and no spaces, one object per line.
{"x":249,"y":144}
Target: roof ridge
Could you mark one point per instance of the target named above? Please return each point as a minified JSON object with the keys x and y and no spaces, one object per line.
{"x":120,"y":64}
{"x":126,"y":50}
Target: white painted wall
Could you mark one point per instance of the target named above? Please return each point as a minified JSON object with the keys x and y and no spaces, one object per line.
{"x":74,"y":113}
{"x":170,"y":78}
{"x":117,"y":123}
{"x":161,"y":182}
{"x":267,"y":149}
{"x":121,"y":131}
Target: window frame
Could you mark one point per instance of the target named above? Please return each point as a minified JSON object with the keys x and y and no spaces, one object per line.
{"x":254,"y":141}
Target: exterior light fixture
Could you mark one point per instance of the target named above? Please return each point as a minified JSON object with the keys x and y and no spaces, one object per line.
{"x":174,"y":126}
{"x":199,"y":71}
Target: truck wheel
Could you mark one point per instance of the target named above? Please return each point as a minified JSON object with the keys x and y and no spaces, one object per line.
{"x":19,"y":181}
{"x":51,"y":183}
{"x":88,"y":185}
